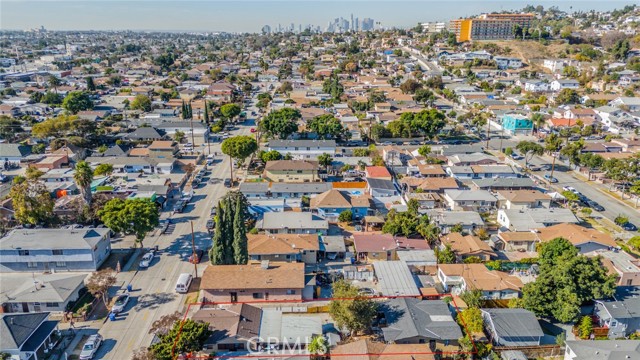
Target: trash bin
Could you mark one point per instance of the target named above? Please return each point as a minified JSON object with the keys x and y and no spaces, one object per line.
{"x":112,"y":316}
{"x":129,"y":287}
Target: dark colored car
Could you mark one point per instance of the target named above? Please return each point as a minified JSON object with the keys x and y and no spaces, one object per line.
{"x":595,"y":206}
{"x":227,"y":182}
{"x":199,"y":254}
{"x":629,"y":226}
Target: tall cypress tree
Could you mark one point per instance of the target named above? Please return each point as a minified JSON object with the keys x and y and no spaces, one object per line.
{"x":206,"y":112}
{"x":228,"y":232}
{"x":184,"y":110}
{"x":240,"y":250}
{"x":217,"y":250}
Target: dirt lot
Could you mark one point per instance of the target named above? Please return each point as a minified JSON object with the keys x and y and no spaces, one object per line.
{"x":532,"y":52}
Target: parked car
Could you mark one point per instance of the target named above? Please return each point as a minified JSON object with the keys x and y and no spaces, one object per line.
{"x":227,"y":182}
{"x":516,"y":156}
{"x":595,"y":206}
{"x":199,"y":255}
{"x":253,"y":130}
{"x":550,"y":178}
{"x":163,"y":225}
{"x":367,"y":291}
{"x":146,"y":260}
{"x":121,"y":303}
{"x":534,"y":167}
{"x":90,"y":347}
{"x":629,"y":226}
{"x":213,"y":210}
{"x":179,"y":206}
{"x":211,"y":224}
{"x":545,"y":167}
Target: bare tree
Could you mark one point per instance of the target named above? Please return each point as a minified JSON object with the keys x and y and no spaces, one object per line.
{"x":99,"y":283}
{"x":610,"y":38}
{"x":165,"y":323}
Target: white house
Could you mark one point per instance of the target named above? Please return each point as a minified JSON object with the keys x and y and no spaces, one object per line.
{"x":632,"y":103}
{"x":555,"y":65}
{"x":303,"y":149}
{"x":558,"y":85}
{"x":536,"y":86}
{"x":507,"y":62}
{"x":469,"y":199}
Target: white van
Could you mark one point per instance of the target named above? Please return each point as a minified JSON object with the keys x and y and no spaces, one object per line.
{"x":184,"y":280}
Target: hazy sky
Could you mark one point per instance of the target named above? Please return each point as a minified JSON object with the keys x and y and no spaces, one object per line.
{"x":249,"y":15}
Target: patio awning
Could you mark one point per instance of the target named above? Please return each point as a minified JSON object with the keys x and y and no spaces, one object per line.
{"x":39,"y":336}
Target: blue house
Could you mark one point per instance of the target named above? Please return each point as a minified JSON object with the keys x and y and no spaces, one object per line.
{"x":331,"y":203}
{"x":517,"y":124}
{"x":42,"y":250}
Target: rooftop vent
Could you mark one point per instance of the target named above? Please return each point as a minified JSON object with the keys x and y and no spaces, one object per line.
{"x":264,"y":264}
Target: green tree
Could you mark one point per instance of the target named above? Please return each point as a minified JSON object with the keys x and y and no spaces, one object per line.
{"x":345,"y":216}
{"x":103,"y":170}
{"x":585,"y":328}
{"x":230,"y":111}
{"x":238,"y":148}
{"x":31,"y":201}
{"x":54,"y":82}
{"x":271,"y":155}
{"x":280,"y":123}
{"x":240,"y":250}
{"x":446,"y":255}
{"x":83,"y":176}
{"x":179,"y":136}
{"x":51,"y":98}
{"x":529,"y":149}
{"x":77,"y":101}
{"x":318,"y":345}
{"x":621,"y":220}
{"x":9,"y":128}
{"x":327,"y":126}
{"x":410,"y":86}
{"x":567,"y":96}
{"x":91,"y":86}
{"x":141,"y":102}
{"x":228,"y":231}
{"x":216,"y":254}
{"x":473,"y":298}
{"x":424,"y":150}
{"x":333,"y":87}
{"x":325,"y":160}
{"x":566,"y":281}
{"x":130,"y":216}
{"x":184,"y":336}
{"x":351,"y":310}
{"x":424,"y":96}
{"x":470,"y":319}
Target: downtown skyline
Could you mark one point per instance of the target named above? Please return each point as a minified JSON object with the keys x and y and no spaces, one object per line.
{"x":249,"y":16}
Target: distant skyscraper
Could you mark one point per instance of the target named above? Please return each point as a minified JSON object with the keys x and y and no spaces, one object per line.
{"x":367,"y":24}
{"x":266,"y":29}
{"x":353,"y":25}
{"x":357,"y":25}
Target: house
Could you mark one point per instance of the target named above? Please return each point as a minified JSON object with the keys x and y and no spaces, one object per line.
{"x":523,"y":199}
{"x":279,"y":329}
{"x":378,"y":172}
{"x":497,"y":184}
{"x":284,"y":247}
{"x":303,"y":149}
{"x":507,"y":62}
{"x":132,"y":165}
{"x":292,"y":171}
{"x":516,"y":124}
{"x":233,"y":327}
{"x":525,"y":220}
{"x":601,"y":349}
{"x":38,"y":250}
{"x":515,"y":241}
{"x":376,"y":246}
{"x":562,"y":84}
{"x":512,"y":327}
{"x":472,"y":159}
{"x":279,"y":281}
{"x":395,"y":279}
{"x":586,"y":116}
{"x":467,"y":246}
{"x":53,"y":292}
{"x":469,"y":200}
{"x":458,"y":278}
{"x":163,"y":149}
{"x":415,"y":321}
{"x":555,"y":65}
{"x":536,"y":86}
{"x":425,"y":200}
{"x":13,"y":153}
{"x":292,"y":223}
{"x":621,"y":315}
{"x":143,"y":134}
{"x":331,"y":203}
{"x":632,"y":104}
{"x":27,"y":336}
{"x":468,"y":220}
{"x":381,"y":187}
{"x":481,"y":172}
{"x":367,"y":349}
{"x":622,"y":265}
{"x":586,"y":240}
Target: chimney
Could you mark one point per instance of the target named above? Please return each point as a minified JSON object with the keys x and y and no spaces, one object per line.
{"x":264,"y":264}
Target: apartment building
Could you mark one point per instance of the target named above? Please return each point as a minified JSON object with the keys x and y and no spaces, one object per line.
{"x":489,"y":26}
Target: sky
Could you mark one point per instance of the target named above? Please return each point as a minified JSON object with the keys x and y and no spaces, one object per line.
{"x":250,"y":15}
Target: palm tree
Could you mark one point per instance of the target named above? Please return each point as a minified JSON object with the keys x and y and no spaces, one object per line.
{"x":83,"y":177}
{"x":54,"y":82}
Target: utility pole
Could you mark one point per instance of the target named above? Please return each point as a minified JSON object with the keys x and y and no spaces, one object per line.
{"x":193,"y":142}
{"x":488,"y":133}
{"x":193,"y":247}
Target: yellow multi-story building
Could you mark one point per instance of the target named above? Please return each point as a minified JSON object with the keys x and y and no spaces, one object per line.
{"x":489,"y":26}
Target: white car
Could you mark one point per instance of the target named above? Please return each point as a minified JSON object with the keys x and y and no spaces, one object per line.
{"x":121,"y":303}
{"x":146,"y":260}
{"x":91,"y":347}
{"x":570,"y":188}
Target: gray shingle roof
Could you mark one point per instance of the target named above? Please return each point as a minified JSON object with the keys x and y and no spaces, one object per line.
{"x":605,"y":349}
{"x":14,"y":150}
{"x":46,"y":239}
{"x":15,"y":329}
{"x":514,"y":323}
{"x":410,"y":317}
